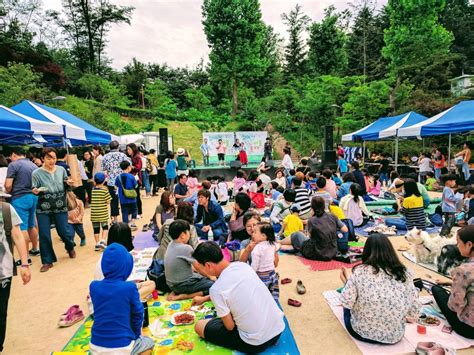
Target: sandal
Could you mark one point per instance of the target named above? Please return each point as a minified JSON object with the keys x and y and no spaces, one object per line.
{"x":300,"y":288}
{"x":294,"y":303}
{"x":71,"y":319}
{"x":285,"y":281}
{"x":73,"y":309}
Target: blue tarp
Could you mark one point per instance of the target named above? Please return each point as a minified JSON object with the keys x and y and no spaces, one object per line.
{"x":16,"y":128}
{"x":457,"y":119}
{"x":384,"y":127}
{"x":76,"y":130}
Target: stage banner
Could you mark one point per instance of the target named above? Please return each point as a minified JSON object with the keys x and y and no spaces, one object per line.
{"x":213,"y":138}
{"x":254,"y":143}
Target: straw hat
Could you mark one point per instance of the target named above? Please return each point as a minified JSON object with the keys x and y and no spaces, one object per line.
{"x":180,"y":151}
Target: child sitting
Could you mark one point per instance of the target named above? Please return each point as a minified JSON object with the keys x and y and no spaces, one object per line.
{"x":222,"y":191}
{"x":321,"y":184}
{"x":292,"y":223}
{"x":311,"y":181}
{"x":100,"y":199}
{"x":330,"y":184}
{"x":74,"y":217}
{"x":265,"y":256}
{"x":192,"y":181}
{"x":431,"y":183}
{"x":239,"y":181}
{"x":374,"y":185}
{"x":118,"y":312}
{"x":179,"y":265}
{"x":276,"y":191}
{"x":354,"y":207}
{"x":126,"y":184}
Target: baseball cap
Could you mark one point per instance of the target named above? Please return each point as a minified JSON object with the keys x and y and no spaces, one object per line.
{"x":99,"y":178}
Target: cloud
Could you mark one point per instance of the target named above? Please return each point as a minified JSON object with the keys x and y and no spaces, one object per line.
{"x":170,"y":31}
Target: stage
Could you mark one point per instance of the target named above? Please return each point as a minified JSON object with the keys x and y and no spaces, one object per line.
{"x":205,"y":172}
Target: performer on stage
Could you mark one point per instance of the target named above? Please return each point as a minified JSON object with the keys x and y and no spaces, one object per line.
{"x":221,"y":150}
{"x":243,"y":155}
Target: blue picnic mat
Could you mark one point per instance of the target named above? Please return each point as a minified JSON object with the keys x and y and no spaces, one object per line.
{"x":361,"y":230}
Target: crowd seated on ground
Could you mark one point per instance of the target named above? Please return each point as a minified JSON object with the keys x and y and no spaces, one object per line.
{"x":308,"y":212}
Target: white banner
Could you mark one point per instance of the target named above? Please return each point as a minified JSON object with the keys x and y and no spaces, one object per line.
{"x":213,"y":138}
{"x":254,"y":141}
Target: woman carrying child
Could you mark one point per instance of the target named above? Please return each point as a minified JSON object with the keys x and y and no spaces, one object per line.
{"x":354,"y":207}
{"x":322,"y":228}
{"x":458,"y":305}
{"x":379,"y":294}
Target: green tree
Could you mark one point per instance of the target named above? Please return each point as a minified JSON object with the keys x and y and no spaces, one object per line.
{"x":234,"y":31}
{"x":86,"y":24}
{"x":365,"y":41}
{"x":295,"y":50}
{"x":19,"y":82}
{"x":98,"y":88}
{"x":157,"y":97}
{"x":327,"y":55}
{"x":415,"y":37}
{"x":134,"y":76}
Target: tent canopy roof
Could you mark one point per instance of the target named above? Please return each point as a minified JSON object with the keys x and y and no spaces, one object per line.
{"x":76,"y":130}
{"x":384,"y":127}
{"x":456,"y":119}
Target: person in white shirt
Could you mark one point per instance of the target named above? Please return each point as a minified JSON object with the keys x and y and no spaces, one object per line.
{"x":286,"y":163}
{"x":249,"y":319}
{"x":222,"y":191}
{"x":425,"y":166}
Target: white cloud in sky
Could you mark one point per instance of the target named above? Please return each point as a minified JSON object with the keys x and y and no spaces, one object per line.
{"x":170,"y":31}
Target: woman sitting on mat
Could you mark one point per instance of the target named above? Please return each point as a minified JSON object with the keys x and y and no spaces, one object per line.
{"x":379,"y":294}
{"x":354,"y":207}
{"x":322,"y":228}
{"x":458,"y":306}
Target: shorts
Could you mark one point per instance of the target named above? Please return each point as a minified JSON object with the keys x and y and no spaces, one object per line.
{"x":96,"y":226}
{"x":25,"y":206}
{"x":216,"y":333}
{"x":221,"y":156}
{"x":142,"y":344}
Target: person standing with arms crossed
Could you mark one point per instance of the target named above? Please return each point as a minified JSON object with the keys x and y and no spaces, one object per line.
{"x":221,"y":150}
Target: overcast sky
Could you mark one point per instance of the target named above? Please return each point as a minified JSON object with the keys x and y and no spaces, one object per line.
{"x":170,"y":31}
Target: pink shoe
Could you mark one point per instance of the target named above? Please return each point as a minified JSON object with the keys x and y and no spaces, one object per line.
{"x":71,"y":310}
{"x":71,"y":319}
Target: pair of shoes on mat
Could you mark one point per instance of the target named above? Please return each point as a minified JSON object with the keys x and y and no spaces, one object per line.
{"x":300,"y":288}
{"x":73,"y":315}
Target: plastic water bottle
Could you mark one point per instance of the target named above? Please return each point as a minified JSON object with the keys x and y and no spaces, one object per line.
{"x":210,"y":235}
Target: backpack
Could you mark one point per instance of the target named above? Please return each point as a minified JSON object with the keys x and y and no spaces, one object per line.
{"x":148,"y":165}
{"x":7,"y":227}
{"x":128,"y":193}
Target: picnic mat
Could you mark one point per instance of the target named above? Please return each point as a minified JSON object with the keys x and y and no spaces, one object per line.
{"x":316,"y":265}
{"x":360,"y":231}
{"x":411,"y":337}
{"x":143,"y":240}
{"x":167,"y":337}
{"x":382,"y":202}
{"x":408,"y":255}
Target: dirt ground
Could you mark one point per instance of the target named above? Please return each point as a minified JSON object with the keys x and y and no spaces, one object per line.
{"x":35,"y":308}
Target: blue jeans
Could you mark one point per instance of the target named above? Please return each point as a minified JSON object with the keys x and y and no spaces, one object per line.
{"x":127,"y":209}
{"x":437,"y":174}
{"x":46,"y":245}
{"x":77,"y":228}
{"x":25,"y":206}
{"x":383,"y":177}
{"x":397,"y":222}
{"x":219,"y":235}
{"x":352,"y":332}
{"x":466,"y":172}
{"x":114,"y":204}
{"x":146,"y":181}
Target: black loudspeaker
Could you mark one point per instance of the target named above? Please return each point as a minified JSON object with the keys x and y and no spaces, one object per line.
{"x":328,"y":137}
{"x":163,"y":140}
{"x":161,"y":158}
{"x":235,"y":164}
{"x":328,"y":158}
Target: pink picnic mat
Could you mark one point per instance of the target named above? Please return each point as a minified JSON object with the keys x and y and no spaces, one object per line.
{"x":410,"y":339}
{"x":326,"y":265}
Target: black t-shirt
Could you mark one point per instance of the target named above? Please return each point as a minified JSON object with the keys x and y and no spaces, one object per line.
{"x":384,"y":163}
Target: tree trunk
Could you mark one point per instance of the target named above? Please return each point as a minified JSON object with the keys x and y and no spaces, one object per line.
{"x":235,"y":104}
{"x":87,"y":18}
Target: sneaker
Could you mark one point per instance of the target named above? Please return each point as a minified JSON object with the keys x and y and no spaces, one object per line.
{"x":103,"y":244}
{"x":18,"y":262}
{"x":34,"y":252}
{"x":83,"y":242}
{"x":98,"y":247}
{"x":71,"y":319}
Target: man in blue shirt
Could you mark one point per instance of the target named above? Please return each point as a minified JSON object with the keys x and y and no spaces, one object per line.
{"x":210,"y":217}
{"x":342,"y":165}
{"x":205,"y":152}
{"x":181,"y":191}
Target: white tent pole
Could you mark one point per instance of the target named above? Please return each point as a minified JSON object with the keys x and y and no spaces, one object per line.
{"x":449,"y":154}
{"x":396,"y":154}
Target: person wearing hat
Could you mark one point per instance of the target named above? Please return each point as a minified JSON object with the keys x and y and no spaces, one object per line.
{"x":182,"y":163}
{"x":100,"y":200}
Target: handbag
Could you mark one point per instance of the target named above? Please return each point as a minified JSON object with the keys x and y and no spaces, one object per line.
{"x":71,"y":201}
{"x":128,"y":193}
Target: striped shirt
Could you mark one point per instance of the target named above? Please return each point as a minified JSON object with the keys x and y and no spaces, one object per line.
{"x":100,"y":199}
{"x":412,"y":208}
{"x":302,"y":200}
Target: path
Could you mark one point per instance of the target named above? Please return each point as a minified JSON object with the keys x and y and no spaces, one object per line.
{"x":279,"y":143}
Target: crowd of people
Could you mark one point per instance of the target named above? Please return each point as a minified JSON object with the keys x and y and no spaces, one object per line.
{"x":298,"y":209}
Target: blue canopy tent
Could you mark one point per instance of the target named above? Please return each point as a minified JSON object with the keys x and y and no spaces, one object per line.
{"x":457,"y":119}
{"x":385,"y":127}
{"x":16,"y":128}
{"x":77,"y":131}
